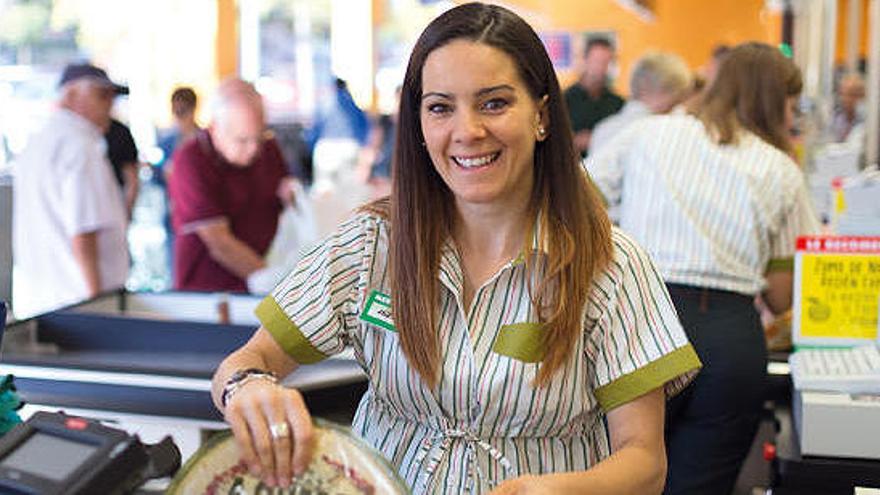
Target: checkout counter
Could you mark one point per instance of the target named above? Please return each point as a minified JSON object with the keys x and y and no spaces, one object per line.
{"x":144,"y":362}
{"x":793,"y":472}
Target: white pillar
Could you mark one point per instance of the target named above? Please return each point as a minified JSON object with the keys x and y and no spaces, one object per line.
{"x":305,"y":67}
{"x":829,"y":49}
{"x":351,"y":47}
{"x":249,"y":36}
{"x":873,"y":82}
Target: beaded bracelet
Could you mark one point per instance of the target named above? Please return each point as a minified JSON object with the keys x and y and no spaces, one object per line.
{"x":241,"y":378}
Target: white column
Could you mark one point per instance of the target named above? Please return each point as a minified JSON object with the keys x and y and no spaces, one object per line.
{"x":351,"y":47}
{"x":873,"y":103}
{"x":249,"y":39}
{"x":829,"y":49}
{"x":305,"y":67}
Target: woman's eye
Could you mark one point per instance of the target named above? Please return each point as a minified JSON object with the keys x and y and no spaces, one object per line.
{"x":437,"y":108}
{"x":495,"y":105}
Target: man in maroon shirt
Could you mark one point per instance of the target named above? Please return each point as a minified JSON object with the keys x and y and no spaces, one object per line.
{"x":227,"y":190}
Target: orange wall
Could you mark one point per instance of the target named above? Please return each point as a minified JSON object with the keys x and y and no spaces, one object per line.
{"x":690,"y":28}
{"x":227,"y":39}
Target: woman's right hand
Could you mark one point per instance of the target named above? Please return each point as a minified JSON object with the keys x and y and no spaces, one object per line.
{"x":273,"y":429}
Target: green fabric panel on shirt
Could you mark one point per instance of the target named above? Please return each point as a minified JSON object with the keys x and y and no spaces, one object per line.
{"x":286,"y":333}
{"x":647,"y":378}
{"x":780,"y":264}
{"x":523,"y":341}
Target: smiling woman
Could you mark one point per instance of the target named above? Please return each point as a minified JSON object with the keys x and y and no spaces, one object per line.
{"x":515,"y":343}
{"x":481,"y":127}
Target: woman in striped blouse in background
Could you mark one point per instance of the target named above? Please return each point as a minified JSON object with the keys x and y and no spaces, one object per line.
{"x":717,"y":201}
{"x":513,"y":341}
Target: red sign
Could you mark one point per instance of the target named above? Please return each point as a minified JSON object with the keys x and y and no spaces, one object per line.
{"x":838,"y":244}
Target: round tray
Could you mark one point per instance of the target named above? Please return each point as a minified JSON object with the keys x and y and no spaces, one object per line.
{"x":341,"y":464}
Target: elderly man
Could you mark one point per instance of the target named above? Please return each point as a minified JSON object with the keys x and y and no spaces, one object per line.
{"x":227,"y":190}
{"x":590,"y":99}
{"x":848,"y":115}
{"x":659,"y":82}
{"x":68,"y":215}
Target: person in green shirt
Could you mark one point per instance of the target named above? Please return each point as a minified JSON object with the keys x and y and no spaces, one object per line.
{"x":590,"y":100}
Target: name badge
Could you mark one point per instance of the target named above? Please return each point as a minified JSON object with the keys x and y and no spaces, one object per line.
{"x":377,"y":311}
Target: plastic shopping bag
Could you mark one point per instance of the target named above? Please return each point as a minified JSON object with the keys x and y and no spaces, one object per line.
{"x":296,"y":232}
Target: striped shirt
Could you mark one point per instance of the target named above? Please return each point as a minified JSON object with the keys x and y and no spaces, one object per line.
{"x":483,"y":422}
{"x":710,"y":215}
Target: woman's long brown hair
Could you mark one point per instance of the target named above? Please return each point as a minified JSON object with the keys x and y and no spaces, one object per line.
{"x":750,"y":93}
{"x":575,"y":230}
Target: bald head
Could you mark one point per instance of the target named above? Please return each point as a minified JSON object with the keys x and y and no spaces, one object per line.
{"x":850,"y":92}
{"x":238,"y":123}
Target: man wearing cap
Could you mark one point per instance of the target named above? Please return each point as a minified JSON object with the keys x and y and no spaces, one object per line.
{"x":68,"y":214}
{"x":227,"y":190}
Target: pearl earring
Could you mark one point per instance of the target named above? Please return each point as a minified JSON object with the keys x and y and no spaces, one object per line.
{"x":542,"y":131}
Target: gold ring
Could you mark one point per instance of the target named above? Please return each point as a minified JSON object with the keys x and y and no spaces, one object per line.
{"x":279,"y":430}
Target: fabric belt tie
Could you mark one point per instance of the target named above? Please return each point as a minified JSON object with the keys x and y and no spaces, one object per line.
{"x":472,"y":442}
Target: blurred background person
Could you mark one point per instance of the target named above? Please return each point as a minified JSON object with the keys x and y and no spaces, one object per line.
{"x":183,"y":111}
{"x":659,"y":82}
{"x":69,"y":218}
{"x":376,"y":158}
{"x":849,"y":111}
{"x":706,"y":75}
{"x":718,"y":202}
{"x":226,"y":188}
{"x":590,"y":99}
{"x":339,"y":132}
{"x":710,"y":70}
{"x":123,"y":155}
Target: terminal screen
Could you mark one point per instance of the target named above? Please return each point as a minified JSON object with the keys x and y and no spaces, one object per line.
{"x":48,"y":456}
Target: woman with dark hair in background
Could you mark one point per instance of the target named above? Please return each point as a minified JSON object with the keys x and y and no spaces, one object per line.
{"x":513,"y":340}
{"x":717,"y":201}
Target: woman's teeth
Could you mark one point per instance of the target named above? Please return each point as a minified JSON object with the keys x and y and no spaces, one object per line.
{"x":476,"y":161}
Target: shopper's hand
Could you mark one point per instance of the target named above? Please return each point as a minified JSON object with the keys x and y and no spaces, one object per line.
{"x":287,"y":191}
{"x":522,"y":485}
{"x":273,"y":430}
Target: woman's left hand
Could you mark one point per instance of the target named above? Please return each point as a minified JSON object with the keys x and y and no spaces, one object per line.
{"x":522,"y":485}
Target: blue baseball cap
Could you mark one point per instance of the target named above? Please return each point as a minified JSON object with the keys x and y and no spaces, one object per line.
{"x":74,"y":72}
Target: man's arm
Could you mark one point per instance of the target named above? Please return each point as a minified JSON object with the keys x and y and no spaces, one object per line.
{"x":777,"y":294}
{"x":85,"y":250}
{"x":228,"y":250}
{"x":582,"y":140}
{"x":130,"y":185}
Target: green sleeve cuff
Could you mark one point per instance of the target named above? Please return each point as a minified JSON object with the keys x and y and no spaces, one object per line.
{"x":780,"y":264}
{"x":647,"y":378}
{"x":286,"y":333}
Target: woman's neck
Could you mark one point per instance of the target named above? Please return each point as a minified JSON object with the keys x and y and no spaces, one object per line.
{"x":487,"y":238}
{"x":494,"y":231}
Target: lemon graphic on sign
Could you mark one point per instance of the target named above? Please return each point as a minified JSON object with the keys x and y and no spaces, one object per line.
{"x":818,"y":311}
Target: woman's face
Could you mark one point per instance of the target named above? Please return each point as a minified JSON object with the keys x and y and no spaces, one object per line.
{"x":480,"y":123}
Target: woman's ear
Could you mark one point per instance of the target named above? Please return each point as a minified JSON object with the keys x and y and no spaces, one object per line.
{"x":542,"y":120}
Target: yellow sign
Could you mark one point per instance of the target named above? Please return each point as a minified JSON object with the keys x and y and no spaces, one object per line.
{"x":839,"y":295}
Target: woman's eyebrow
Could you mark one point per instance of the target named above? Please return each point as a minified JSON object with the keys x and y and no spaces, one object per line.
{"x":479,"y":92}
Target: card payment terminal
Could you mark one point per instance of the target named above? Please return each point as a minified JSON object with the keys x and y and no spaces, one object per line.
{"x":53,"y":453}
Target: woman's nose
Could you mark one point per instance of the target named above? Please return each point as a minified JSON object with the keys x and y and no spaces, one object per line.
{"x":469,"y":126}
